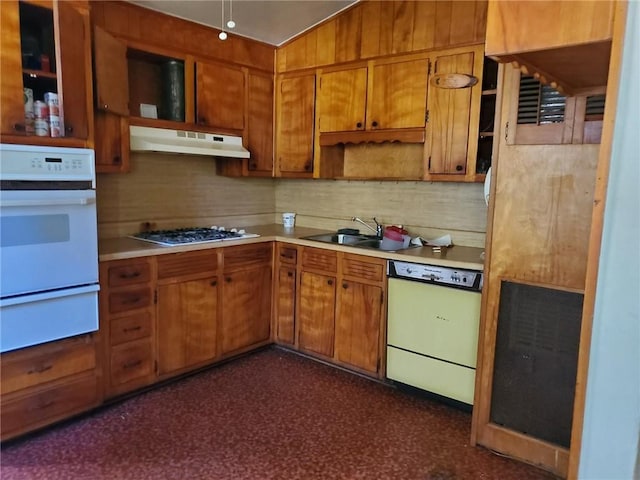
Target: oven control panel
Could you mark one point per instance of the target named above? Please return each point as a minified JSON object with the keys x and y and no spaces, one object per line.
{"x":46,"y":163}
{"x":457,"y":277}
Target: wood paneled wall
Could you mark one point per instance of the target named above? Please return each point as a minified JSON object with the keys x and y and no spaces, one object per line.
{"x":170,"y":191}
{"x":375,"y":28}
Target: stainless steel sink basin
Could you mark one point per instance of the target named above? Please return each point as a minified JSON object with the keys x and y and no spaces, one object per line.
{"x":359,"y":241}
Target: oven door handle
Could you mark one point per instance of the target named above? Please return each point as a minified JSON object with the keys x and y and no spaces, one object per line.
{"x":36,"y":202}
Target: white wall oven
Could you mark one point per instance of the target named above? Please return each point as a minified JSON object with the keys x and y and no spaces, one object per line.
{"x":48,"y":244}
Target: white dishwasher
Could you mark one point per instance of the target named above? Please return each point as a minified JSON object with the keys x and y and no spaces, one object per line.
{"x":432,"y":328}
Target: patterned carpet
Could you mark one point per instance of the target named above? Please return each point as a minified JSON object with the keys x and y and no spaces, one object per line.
{"x":269,"y":415}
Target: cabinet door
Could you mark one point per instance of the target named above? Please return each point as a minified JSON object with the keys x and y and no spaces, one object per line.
{"x":12,"y":118}
{"x":187,"y":322}
{"x":219,"y":96}
{"x":398,"y":96}
{"x":450,"y":112}
{"x":74,"y":38}
{"x":111,"y":72}
{"x":317,"y":313}
{"x":285,"y":309}
{"x":246,"y":301}
{"x":342,"y":100}
{"x":260,"y":124}
{"x":111,"y":142}
{"x":295,"y":125}
{"x":358,"y":325}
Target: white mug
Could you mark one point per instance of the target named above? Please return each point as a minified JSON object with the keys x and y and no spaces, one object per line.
{"x":288,"y":219}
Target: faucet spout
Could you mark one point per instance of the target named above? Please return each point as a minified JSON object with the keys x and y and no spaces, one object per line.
{"x":378,"y":229}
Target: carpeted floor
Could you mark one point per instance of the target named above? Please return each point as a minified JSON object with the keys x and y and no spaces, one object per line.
{"x":270,"y":415}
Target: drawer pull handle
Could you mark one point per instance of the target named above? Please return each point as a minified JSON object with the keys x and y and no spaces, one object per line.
{"x":44,"y":405}
{"x":132,"y":329}
{"x":214,"y":283}
{"x":131,"y":301}
{"x":40,"y":369}
{"x":289,"y":274}
{"x":127,"y":276}
{"x":345,"y":285}
{"x":132,"y":364}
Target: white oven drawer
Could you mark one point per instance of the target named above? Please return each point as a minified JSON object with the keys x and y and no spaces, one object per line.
{"x":44,"y":317}
{"x":432,"y":375}
{"x":433,"y":320}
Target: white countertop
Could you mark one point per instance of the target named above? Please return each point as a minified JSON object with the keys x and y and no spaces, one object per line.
{"x":455,"y":256}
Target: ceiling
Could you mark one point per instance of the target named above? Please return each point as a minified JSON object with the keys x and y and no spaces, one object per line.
{"x":269,"y":21}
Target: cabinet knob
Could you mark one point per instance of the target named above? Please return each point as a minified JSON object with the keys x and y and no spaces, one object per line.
{"x":359,"y":125}
{"x":19,"y":127}
{"x":307,"y":166}
{"x":374,"y":124}
{"x":345,"y":285}
{"x":228,"y":279}
{"x":117,"y":160}
{"x":202,"y":121}
{"x":289,"y":274}
{"x":68,"y":128}
{"x":252,"y":166}
{"x":214,"y":283}
{"x":105,"y":106}
{"x":130,"y":275}
{"x":459,"y":168}
{"x":329,"y":282}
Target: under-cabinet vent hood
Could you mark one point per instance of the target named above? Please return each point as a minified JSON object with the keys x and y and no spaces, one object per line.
{"x":146,"y":139}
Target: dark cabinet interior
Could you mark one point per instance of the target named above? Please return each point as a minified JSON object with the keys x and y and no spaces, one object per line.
{"x":487,"y":115}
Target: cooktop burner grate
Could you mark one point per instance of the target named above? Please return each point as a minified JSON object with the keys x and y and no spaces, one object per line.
{"x":180,"y":236}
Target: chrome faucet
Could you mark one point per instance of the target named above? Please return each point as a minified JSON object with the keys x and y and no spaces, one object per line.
{"x":378,"y":228}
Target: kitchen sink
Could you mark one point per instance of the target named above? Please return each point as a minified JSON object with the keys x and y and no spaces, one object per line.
{"x":359,"y":241}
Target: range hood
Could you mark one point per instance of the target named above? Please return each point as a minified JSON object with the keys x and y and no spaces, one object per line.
{"x":164,"y":140}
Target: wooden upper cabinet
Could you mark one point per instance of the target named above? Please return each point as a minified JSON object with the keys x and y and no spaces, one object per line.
{"x":398,"y":94}
{"x":260,"y":124}
{"x":111,"y":71}
{"x":567,"y":43}
{"x":454,"y":115}
{"x":220,"y":94}
{"x":381,"y":95}
{"x":295,"y":97}
{"x":61,"y":33}
{"x":342,"y":100}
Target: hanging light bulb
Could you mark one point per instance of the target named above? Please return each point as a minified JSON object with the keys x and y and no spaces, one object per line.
{"x":230,"y":23}
{"x":222,"y":35}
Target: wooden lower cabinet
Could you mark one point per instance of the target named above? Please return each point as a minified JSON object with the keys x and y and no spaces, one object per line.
{"x":317,"y":313}
{"x":246,"y":297}
{"x":187,"y":323}
{"x":341,"y":305}
{"x":357,"y":341}
{"x":127,"y":323}
{"x":46,"y":383}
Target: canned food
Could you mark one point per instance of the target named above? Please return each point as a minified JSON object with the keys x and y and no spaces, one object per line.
{"x":40,"y":110}
{"x":41,"y":127}
{"x":54,"y":125}
{"x":51,"y":99}
{"x":28,"y":102}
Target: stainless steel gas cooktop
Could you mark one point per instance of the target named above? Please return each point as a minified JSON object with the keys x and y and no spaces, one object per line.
{"x":180,"y":236}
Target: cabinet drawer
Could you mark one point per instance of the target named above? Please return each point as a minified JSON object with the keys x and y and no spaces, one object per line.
{"x":287,"y":255}
{"x":363,"y":268}
{"x":130,"y":361}
{"x":129,"y":300}
{"x":317,"y":258}
{"x":247,"y":256}
{"x":187,"y":263}
{"x":44,"y":363}
{"x":129,"y":328}
{"x":24,"y":412}
{"x":129,"y":274}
